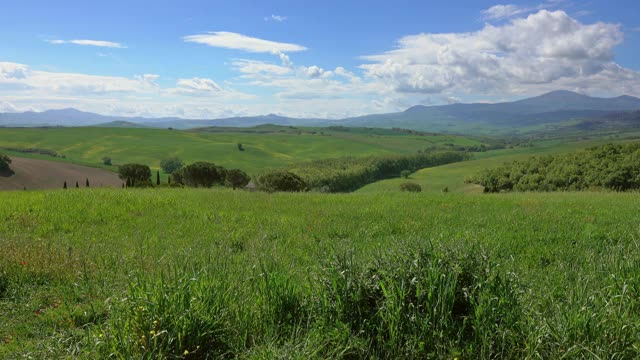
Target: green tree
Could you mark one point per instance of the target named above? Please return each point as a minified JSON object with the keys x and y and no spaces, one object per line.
{"x":240,"y":147}
{"x":405,"y":173}
{"x":171,"y":164}
{"x":137,"y":175}
{"x":106,"y":161}
{"x":5,"y":161}
{"x":200,"y":173}
{"x":236,"y":178}
{"x":281,"y":181}
{"x":64,"y":186}
{"x":158,"y":177}
{"x":87,"y":183}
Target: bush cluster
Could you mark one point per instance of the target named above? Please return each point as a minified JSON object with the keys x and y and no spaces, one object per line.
{"x":280,"y":181}
{"x":610,"y":167}
{"x":410,"y":187}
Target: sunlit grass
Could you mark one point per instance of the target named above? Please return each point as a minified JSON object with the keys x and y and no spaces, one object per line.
{"x":187,"y":273}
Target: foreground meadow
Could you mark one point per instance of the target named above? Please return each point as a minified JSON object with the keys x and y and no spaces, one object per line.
{"x":221,"y":274}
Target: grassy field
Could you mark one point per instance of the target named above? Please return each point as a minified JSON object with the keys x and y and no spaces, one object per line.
{"x":188,"y":273}
{"x":452,"y":176}
{"x":262,"y":150}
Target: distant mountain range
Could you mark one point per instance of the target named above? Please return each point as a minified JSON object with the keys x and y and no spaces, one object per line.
{"x":515,"y":117}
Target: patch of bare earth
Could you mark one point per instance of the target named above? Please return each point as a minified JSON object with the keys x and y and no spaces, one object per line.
{"x":35,"y":174}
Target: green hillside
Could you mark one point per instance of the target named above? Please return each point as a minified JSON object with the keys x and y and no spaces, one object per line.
{"x":453,"y":176}
{"x":265,"y":147}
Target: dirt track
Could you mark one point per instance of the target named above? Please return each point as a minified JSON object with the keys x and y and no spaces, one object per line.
{"x":41,"y":174}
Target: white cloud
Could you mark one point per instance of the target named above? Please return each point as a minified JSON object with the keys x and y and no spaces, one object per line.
{"x":98,"y":43}
{"x":546,"y":50}
{"x":198,"y":85}
{"x":237,"y":41}
{"x":315,"y":72}
{"x":277,"y":18}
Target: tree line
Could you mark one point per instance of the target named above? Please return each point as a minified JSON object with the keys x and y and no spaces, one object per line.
{"x":611,"y":167}
{"x":349,"y":173}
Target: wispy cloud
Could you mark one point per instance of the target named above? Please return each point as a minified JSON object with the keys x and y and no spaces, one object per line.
{"x":98,"y":43}
{"x":277,"y":18}
{"x":499,"y":12}
{"x":230,"y":40}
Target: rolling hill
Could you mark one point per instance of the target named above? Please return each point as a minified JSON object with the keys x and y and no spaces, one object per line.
{"x":517,"y":117}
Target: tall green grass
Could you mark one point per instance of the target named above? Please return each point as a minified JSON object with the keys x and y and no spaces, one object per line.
{"x":176,"y":273}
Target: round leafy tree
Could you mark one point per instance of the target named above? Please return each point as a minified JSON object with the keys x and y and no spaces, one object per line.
{"x":281,"y":181}
{"x":200,"y":173}
{"x":171,"y":164}
{"x":137,"y":175}
{"x":236,"y":178}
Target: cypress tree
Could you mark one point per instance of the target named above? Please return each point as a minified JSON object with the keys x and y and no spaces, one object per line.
{"x":87,"y":183}
{"x":65,"y":185}
{"x":158,"y":177}
{"x":128,"y":183}
{"x":77,"y":185}
{"x":123,"y":185}
{"x":169,"y":180}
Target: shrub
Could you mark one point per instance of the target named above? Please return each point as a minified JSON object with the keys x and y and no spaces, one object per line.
{"x":200,"y":173}
{"x":405,"y":174}
{"x":280,"y":181}
{"x":171,"y":164}
{"x":236,"y":178}
{"x":240,"y":147}
{"x":106,"y":161}
{"x":4,"y":162}
{"x":411,"y":187}
{"x":137,"y":175}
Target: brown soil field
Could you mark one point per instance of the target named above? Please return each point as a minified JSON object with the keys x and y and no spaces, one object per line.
{"x":35,"y":174}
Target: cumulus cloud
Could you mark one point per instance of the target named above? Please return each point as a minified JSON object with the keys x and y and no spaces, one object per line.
{"x":230,"y":40}
{"x":544,"y":50}
{"x":12,"y":71}
{"x":314,"y":71}
{"x":97,"y":43}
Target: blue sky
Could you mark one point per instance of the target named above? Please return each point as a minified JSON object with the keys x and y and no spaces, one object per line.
{"x":208,"y":59}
